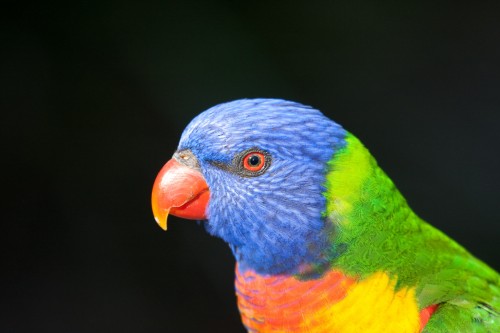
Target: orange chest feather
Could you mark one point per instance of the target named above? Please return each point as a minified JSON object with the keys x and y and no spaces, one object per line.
{"x":333,"y":303}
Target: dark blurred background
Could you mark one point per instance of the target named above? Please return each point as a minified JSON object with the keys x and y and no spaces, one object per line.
{"x":94,"y":98}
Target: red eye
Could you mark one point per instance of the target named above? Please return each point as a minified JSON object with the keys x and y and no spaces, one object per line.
{"x":254,"y":161}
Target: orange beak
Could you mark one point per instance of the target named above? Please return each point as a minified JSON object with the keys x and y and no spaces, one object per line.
{"x":181,"y":191}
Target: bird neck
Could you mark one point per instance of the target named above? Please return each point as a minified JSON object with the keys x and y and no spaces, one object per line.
{"x":368,"y":212}
{"x":353,"y":180}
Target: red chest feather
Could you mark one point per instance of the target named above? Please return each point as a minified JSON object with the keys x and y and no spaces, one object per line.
{"x":275,"y":302}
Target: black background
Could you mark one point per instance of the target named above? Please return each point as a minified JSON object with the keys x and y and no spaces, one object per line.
{"x":96,"y":94}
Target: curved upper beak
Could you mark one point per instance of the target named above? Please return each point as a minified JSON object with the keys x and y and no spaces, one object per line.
{"x":181,"y":191}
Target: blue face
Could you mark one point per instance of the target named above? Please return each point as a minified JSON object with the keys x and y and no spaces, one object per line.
{"x":265,"y":162}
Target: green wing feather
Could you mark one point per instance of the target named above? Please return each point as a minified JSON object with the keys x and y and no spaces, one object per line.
{"x":381,"y":233}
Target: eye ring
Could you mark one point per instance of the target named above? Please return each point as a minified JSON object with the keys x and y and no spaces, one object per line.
{"x":251,"y":162}
{"x":254,"y":161}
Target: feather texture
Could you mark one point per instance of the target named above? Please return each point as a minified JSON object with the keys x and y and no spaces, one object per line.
{"x":323,"y":239}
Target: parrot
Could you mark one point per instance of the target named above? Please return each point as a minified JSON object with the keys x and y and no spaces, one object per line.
{"x":322,"y":238}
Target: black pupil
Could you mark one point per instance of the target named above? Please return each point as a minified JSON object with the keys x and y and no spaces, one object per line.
{"x":254,"y":160}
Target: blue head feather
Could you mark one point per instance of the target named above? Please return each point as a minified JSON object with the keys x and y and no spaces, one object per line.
{"x":273,"y":222}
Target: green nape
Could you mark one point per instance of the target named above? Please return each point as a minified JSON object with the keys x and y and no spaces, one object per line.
{"x":380,"y":232}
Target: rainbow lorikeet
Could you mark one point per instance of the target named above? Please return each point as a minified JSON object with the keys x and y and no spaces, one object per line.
{"x":324,"y":242}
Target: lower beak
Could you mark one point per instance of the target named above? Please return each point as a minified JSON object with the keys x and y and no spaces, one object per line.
{"x":181,"y":191}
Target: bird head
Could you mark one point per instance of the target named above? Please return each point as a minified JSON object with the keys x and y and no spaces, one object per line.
{"x":254,"y":171}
